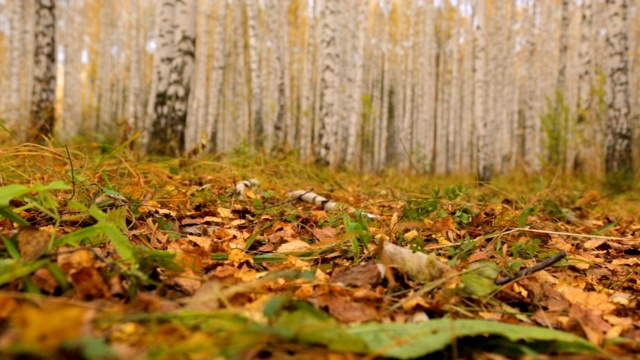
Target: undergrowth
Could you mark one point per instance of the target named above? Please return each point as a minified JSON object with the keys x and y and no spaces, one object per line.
{"x":138,"y":215}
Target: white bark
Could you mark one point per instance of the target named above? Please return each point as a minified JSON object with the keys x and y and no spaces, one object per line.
{"x":216,"y":79}
{"x":422,"y":146}
{"x":532,"y":119}
{"x":455,"y":129}
{"x":356,"y":73}
{"x":195,"y":131}
{"x":161,"y":64}
{"x":326,"y":145}
{"x":257,"y":120}
{"x":104,"y":121}
{"x":467,"y":130}
{"x":71,"y":118}
{"x":16,"y":54}
{"x":44,"y":71}
{"x":480,"y":86}
{"x":382,"y":129}
{"x":618,"y":141}
{"x":172,"y":94}
{"x":30,"y":45}
{"x":134,"y":113}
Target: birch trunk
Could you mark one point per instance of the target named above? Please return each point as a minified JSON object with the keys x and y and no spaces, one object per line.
{"x":455,"y":129}
{"x":382,"y":129}
{"x":532,"y":120}
{"x":30,"y":46}
{"x":619,"y":164}
{"x":172,"y":94}
{"x":16,"y":54}
{"x":72,"y":102}
{"x":584,"y":87}
{"x":467,"y":130}
{"x":104,"y":123}
{"x":196,"y":135}
{"x":357,"y":68}
{"x":256,"y":81}
{"x":328,"y":122}
{"x":216,"y":79}
{"x":305,"y":122}
{"x":423,"y":144}
{"x":480,"y":86}
{"x":44,"y":71}
{"x":134,"y":112}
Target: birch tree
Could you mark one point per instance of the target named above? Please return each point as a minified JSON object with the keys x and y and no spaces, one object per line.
{"x":619,"y":164}
{"x":196,"y":117}
{"x":307,"y":84}
{"x":326,"y":145}
{"x":104,"y":123}
{"x":585,"y":78}
{"x":424,"y":124}
{"x":532,"y":104}
{"x":16,"y":54}
{"x":480,"y":87}
{"x":382,"y":126}
{"x":171,"y":97}
{"x":44,"y":70}
{"x":134,"y":112}
{"x":257,"y":121}
{"x":357,"y":36}
{"x":72,"y":103}
{"x":216,"y":78}
{"x":467,"y":99}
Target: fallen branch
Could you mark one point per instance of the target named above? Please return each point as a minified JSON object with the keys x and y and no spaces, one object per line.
{"x":570,"y":234}
{"x":530,"y":270}
{"x":327,"y":205}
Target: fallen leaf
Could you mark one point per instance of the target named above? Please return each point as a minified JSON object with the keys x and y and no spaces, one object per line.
{"x":32,"y":242}
{"x":44,"y":280}
{"x":364,"y":275}
{"x":418,"y":265}
{"x":325,"y":233}
{"x":7,"y":306}
{"x":293,"y":246}
{"x":48,"y":328}
{"x":237,"y":256}
{"x":343,"y":308}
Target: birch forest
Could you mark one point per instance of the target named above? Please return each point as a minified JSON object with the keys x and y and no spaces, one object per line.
{"x":436,"y":87}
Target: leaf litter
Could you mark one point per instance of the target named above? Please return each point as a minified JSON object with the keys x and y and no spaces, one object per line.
{"x":205,"y":259}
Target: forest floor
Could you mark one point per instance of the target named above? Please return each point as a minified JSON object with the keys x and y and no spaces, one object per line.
{"x":107,"y":256}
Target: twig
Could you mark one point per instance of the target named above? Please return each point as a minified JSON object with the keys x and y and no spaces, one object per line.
{"x":415,"y":168}
{"x":571,"y":234}
{"x":73,"y":176}
{"x":530,"y":270}
{"x":95,"y":253}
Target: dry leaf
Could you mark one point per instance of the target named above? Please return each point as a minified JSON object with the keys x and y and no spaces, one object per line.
{"x":48,"y":328}
{"x":32,"y":242}
{"x":293,"y":246}
{"x":417,"y":265}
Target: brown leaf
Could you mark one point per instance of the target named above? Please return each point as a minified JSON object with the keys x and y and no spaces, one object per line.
{"x":48,"y":328}
{"x":88,"y":283}
{"x":44,"y":280}
{"x":80,"y":268}
{"x":365,"y":275}
{"x":343,"y":308}
{"x":592,"y":324}
{"x":418,"y":265}
{"x":325,"y":233}
{"x":7,"y":306}
{"x":293,"y":246}
{"x":32,"y":242}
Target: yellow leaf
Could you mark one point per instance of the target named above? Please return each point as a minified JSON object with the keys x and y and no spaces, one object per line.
{"x":48,"y":328}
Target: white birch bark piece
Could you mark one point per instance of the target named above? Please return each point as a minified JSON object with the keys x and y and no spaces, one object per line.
{"x":327,"y":205}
